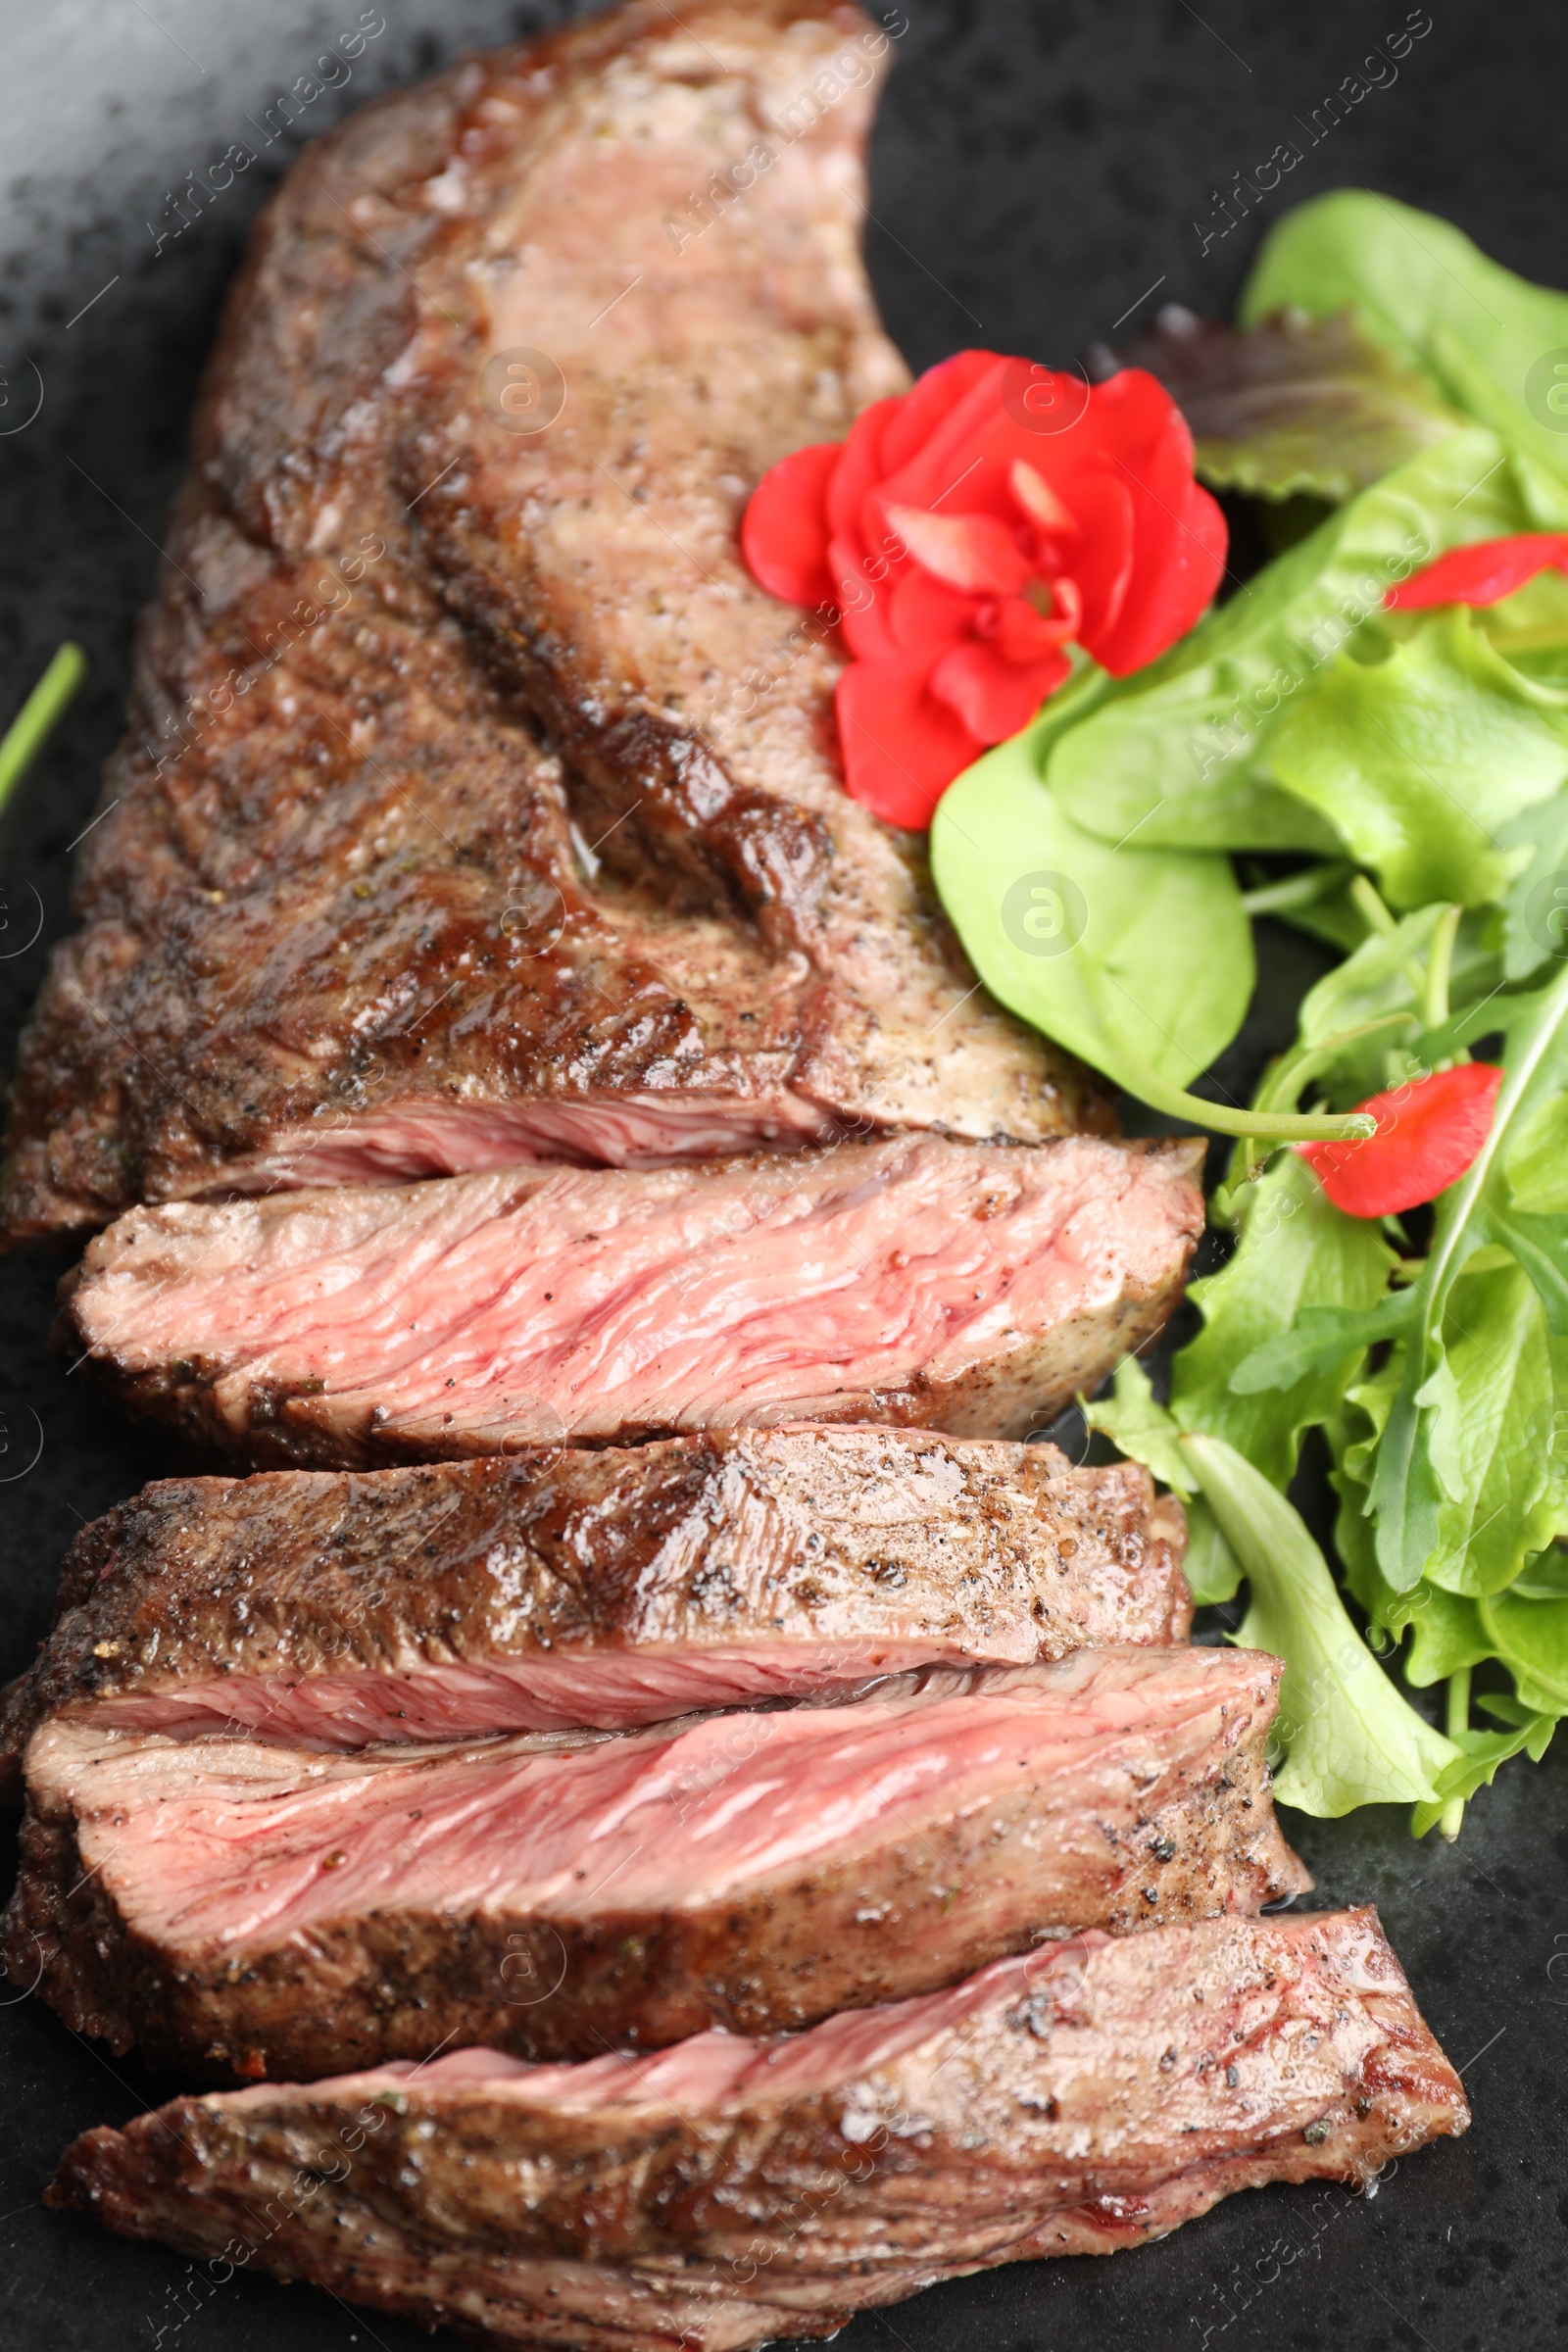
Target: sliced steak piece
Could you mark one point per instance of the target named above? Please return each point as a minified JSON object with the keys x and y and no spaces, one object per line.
{"x":335,"y":903}
{"x":564,"y":1586}
{"x":966,"y":1287}
{"x":1091,"y":2095}
{"x":247,"y":1908}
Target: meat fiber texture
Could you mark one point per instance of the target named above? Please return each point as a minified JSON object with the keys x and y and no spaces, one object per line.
{"x":563,"y":1588}
{"x":475,"y":804}
{"x":966,"y":1287}
{"x":246,"y":1908}
{"x":1088,"y":2097}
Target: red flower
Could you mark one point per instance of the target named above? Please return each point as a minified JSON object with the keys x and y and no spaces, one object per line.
{"x":964,"y":535}
{"x":1482,"y":574}
{"x":1427,"y":1135}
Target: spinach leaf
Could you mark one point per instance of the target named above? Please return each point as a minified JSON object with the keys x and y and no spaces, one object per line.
{"x":1178,"y":755}
{"x":1350,"y":1739}
{"x":1138,"y":959}
{"x":1297,"y":407}
{"x":1489,"y":342}
{"x":1418,"y":761}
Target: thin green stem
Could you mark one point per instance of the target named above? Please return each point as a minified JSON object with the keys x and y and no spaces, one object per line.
{"x":1297,"y":890}
{"x":27,"y":732}
{"x":1458,"y":1721}
{"x":1440,"y":965}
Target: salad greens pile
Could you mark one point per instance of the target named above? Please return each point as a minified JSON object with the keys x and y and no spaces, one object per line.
{"x":1396,"y":783}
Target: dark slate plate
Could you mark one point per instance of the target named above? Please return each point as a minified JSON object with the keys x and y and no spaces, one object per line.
{"x":1046,"y":172}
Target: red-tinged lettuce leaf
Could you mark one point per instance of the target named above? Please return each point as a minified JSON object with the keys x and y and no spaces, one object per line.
{"x":1296,"y":405}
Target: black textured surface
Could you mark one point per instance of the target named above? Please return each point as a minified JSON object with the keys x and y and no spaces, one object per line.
{"x":1038,"y":166}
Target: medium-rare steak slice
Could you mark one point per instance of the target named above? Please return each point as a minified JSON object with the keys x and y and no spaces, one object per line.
{"x":567,"y":1587}
{"x":247,"y":1908}
{"x":1086,"y":2096}
{"x":967,"y":1287}
{"x":334,"y":923}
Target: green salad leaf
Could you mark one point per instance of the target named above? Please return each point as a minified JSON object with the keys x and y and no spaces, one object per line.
{"x":1488,"y":342}
{"x":1138,"y":959}
{"x":1181,"y":754}
{"x":1417,"y":760}
{"x":1297,"y":407}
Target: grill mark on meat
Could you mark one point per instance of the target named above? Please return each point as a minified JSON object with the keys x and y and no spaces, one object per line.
{"x":245,"y":1910}
{"x":608,"y":1588}
{"x":919,"y":1280}
{"x":1023,"y":2113}
{"x":334,"y":897}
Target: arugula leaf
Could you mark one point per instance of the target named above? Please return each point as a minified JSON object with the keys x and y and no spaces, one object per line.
{"x":1299,"y":406}
{"x":1418,"y":759}
{"x":1180,"y":751}
{"x":1138,"y":959}
{"x":1142,"y":1429}
{"x":1536,"y":905}
{"x":1483,"y":1752}
{"x":1296,"y":1250}
{"x":1493,"y":1439}
{"x":1486,"y":340}
{"x":1350,"y":1739}
{"x":1530,"y":1638}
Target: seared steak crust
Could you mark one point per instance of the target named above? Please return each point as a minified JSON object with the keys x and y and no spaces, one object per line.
{"x":1091,"y":2095}
{"x":334,"y":925}
{"x":323,"y":1608}
{"x":917,"y":1280}
{"x":242,"y":1911}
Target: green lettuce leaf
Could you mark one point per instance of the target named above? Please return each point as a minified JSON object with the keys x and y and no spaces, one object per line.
{"x":1483,"y":1752}
{"x":1489,"y":342}
{"x":1350,"y":1739}
{"x":1417,"y":760}
{"x":1178,"y":755}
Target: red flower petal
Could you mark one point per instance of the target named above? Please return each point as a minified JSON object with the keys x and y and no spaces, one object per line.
{"x":865,"y":603}
{"x":784,"y":531}
{"x":861,"y":464}
{"x":1427,"y":1135}
{"x":1021,"y":634}
{"x":936,"y":394}
{"x":1102,"y":565}
{"x":901,"y":747}
{"x":1482,"y":574}
{"x":928,"y":617}
{"x":971,"y":552}
{"x":992,"y":696}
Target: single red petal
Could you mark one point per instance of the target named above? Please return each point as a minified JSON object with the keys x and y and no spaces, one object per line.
{"x":861,"y":466}
{"x":992,"y":696}
{"x":902,"y":748}
{"x":1427,"y":1135}
{"x":784,"y":529}
{"x":1103,"y":564}
{"x":1173,"y":582}
{"x":1482,"y":574}
{"x":934,"y":397}
{"x":971,"y":552}
{"x":866,"y":605}
{"x":928,"y":617}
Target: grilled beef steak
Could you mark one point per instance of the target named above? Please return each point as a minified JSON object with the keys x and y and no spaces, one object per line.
{"x":334,"y":924}
{"x":967,"y":1287}
{"x":566,"y":1587}
{"x":1080,"y":2098}
{"x":247,"y":1909}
